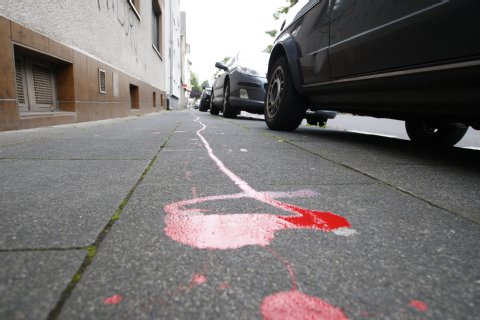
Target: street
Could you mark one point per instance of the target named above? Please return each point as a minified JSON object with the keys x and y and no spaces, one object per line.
{"x":185,"y":215}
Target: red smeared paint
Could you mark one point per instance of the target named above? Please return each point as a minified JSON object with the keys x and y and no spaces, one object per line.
{"x":115,"y":299}
{"x":195,"y":227}
{"x":419,"y":305}
{"x":192,"y":227}
{"x":296,"y":305}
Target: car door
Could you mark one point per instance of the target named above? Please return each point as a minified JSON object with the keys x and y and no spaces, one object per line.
{"x":381,"y":35}
{"x":311,"y":33}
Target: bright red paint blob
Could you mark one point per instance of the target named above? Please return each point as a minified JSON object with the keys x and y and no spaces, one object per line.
{"x":191,"y":226}
{"x":295,"y":305}
{"x":194,"y":228}
{"x":419,"y":305}
{"x":115,"y":299}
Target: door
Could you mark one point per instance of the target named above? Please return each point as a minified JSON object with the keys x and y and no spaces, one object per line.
{"x":35,"y":84}
{"x":382,"y":35}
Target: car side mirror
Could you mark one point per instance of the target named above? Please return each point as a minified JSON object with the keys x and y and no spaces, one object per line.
{"x":220,"y":65}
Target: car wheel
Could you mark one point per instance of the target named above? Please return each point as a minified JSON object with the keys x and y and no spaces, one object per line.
{"x":282,"y":110}
{"x":446,"y":134}
{"x":213,"y":109}
{"x":228,"y":110}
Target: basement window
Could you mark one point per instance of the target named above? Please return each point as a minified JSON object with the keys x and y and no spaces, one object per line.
{"x":102,"y":85}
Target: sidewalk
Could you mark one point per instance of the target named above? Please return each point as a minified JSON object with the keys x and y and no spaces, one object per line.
{"x":61,"y":189}
{"x":184,"y":215}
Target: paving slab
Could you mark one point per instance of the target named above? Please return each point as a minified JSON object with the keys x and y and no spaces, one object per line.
{"x":31,"y":282}
{"x":63,"y":203}
{"x":402,"y":254}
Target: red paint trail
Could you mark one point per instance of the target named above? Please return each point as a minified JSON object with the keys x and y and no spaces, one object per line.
{"x":419,"y":305}
{"x":295,"y":305}
{"x":115,"y":299}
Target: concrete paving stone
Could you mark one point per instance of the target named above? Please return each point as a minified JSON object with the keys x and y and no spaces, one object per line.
{"x":61,"y":203}
{"x":450,"y":187}
{"x":403,"y":250}
{"x":31,"y":282}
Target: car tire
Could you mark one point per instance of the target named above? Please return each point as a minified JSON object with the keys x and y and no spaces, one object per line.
{"x":444,"y":135}
{"x":228,"y":110}
{"x":213,"y":110}
{"x":282,"y":110}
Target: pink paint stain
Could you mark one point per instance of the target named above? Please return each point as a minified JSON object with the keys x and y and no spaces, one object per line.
{"x":115,"y":299}
{"x":196,"y":228}
{"x":198,"y":279}
{"x":419,"y":305}
{"x":222,"y":286}
{"x":296,"y":305}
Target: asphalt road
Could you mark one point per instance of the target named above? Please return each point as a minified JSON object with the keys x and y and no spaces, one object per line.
{"x":184,"y":215}
{"x":391,"y":129}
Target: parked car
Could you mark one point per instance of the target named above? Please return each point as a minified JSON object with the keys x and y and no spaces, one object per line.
{"x":241,"y":86}
{"x":205,"y":99}
{"x":197,"y":104}
{"x":417,"y":61}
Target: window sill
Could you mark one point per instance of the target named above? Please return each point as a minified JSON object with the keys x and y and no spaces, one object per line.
{"x":158,"y":52}
{"x":135,"y":10}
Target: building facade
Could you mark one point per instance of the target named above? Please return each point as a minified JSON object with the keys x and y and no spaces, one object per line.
{"x":73,"y":61}
{"x":173,"y":76}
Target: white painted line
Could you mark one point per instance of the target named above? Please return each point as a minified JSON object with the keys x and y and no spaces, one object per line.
{"x":471,"y":148}
{"x":373,"y":134}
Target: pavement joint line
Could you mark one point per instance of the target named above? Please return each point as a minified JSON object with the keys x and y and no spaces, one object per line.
{"x":42,"y":249}
{"x":401,"y":190}
{"x":70,"y":159}
{"x":92,"y":249}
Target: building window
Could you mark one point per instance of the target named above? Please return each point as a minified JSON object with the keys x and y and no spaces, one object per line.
{"x":102,"y":83}
{"x":157,"y":26}
{"x":35,"y":83}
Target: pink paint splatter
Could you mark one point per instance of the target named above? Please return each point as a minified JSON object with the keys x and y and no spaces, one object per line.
{"x":222,"y":286}
{"x":296,"y":305}
{"x":192,"y":227}
{"x":115,"y":299}
{"x":198,"y":279}
{"x":419,"y":305}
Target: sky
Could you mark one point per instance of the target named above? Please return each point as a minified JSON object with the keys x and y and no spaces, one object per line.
{"x":219,"y":28}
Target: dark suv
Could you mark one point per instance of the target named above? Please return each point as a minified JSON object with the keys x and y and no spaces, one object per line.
{"x":412,"y":60}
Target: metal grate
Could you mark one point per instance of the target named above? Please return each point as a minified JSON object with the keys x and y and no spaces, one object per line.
{"x":19,"y":81}
{"x":102,"y":81}
{"x":42,"y":85}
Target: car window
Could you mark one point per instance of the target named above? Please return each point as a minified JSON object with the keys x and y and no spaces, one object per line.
{"x":257,"y":61}
{"x":297,"y":11}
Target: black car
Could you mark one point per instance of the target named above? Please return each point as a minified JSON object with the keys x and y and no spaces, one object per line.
{"x":412,"y":60}
{"x":205,"y":99}
{"x":241,"y":86}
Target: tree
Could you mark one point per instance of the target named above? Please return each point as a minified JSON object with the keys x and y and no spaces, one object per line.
{"x":196,"y":89}
{"x":280,"y":12}
{"x":194,"y":80}
{"x":284,"y":10}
